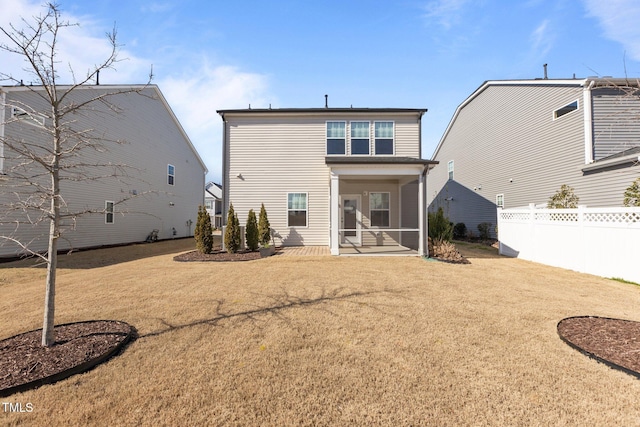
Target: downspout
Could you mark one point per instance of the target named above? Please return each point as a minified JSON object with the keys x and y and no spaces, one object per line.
{"x":225,"y":171}
{"x":588,"y":123}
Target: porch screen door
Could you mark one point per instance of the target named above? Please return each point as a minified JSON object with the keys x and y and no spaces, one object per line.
{"x":351,"y":218}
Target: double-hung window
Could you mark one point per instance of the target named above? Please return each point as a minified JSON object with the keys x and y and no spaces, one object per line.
{"x":297,"y":209}
{"x":500,"y":200}
{"x":171,"y":174}
{"x":450,"y":169}
{"x":379,"y":209}
{"x":383,"y":138}
{"x":336,"y":138}
{"x":360,"y":137}
{"x":108,"y":212}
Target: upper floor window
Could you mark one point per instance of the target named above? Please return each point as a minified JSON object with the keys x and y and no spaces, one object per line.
{"x":360,"y":137}
{"x":383,"y":138}
{"x":297,"y":209}
{"x":336,"y":138}
{"x":565,"y":110}
{"x":500,"y":200}
{"x":31,"y":118}
{"x":379,"y":209}
{"x":450,"y":169}
{"x":171,"y":174}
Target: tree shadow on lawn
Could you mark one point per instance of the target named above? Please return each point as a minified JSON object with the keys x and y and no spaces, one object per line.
{"x":84,"y":259}
{"x":280,"y":304}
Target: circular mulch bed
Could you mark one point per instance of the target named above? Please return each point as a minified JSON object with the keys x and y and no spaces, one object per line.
{"x":614,"y":342}
{"x":217,"y":255}
{"x":78,"y":347}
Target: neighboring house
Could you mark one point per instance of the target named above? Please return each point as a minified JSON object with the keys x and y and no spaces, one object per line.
{"x":213,"y":203}
{"x":512,"y":143}
{"x":158,"y":169}
{"x":336,"y":177}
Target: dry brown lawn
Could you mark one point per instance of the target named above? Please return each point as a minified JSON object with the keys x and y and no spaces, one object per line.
{"x":325,"y":341}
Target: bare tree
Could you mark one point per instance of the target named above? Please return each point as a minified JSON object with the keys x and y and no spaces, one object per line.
{"x":51,"y":149}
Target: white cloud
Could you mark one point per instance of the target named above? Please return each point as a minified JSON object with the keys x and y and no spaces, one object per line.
{"x":619,"y":20}
{"x":195,"y":98}
{"x":445,"y":12}
{"x":79,"y":48}
{"x":542,"y":39}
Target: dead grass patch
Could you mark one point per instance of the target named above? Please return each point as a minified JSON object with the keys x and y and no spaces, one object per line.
{"x":327,"y":341}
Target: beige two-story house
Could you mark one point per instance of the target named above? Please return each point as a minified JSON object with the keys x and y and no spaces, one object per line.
{"x":350,"y":179}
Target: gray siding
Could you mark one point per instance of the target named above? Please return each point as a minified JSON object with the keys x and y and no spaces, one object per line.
{"x":142,"y":138}
{"x":615,"y":121}
{"x":506,"y":141}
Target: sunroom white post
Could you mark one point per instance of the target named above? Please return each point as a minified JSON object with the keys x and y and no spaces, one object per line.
{"x":422,"y":247}
{"x":334,"y":214}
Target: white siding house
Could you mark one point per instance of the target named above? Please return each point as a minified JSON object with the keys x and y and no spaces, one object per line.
{"x":328,"y":176}
{"x":158,"y":170}
{"x":512,"y":143}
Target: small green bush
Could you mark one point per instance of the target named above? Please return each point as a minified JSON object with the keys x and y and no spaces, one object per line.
{"x":251,"y":231}
{"x":264,"y":228}
{"x":483,"y":229}
{"x":203,"y":232}
{"x":232,"y":232}
{"x":440,"y":229}
{"x":459,"y":231}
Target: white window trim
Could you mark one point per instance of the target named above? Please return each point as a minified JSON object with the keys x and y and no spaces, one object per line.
{"x":388,"y":210}
{"x":498,"y":197}
{"x":21,"y":115}
{"x":351,"y":138}
{"x":107,"y":212}
{"x":555,"y":112}
{"x":326,"y":138}
{"x":306,"y":210}
{"x":393,"y":137}
{"x":450,"y":170}
{"x":171,"y":175}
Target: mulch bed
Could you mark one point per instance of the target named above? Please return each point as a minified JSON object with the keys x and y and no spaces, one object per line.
{"x":217,"y":255}
{"x":78,"y":347}
{"x":615,"y":342}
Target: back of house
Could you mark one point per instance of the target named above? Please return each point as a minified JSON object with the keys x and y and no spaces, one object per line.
{"x":336,"y":177}
{"x":133,"y":170}
{"x":512,"y":143}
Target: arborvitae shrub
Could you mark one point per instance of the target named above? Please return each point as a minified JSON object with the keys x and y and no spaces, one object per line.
{"x":264,"y":228}
{"x":251,"y":231}
{"x":203,"y":232}
{"x":440,"y":229}
{"x":232,"y":232}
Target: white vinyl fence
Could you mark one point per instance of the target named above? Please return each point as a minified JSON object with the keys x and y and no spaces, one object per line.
{"x":600,"y":241}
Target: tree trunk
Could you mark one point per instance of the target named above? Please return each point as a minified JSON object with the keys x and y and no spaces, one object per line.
{"x":48,"y":337}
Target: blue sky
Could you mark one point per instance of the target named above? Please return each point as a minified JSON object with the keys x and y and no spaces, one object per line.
{"x":210,"y":55}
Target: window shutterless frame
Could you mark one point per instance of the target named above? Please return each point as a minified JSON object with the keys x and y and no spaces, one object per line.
{"x":380,"y":209}
{"x":384,"y":138}
{"x":566,"y":109}
{"x":500,"y":200}
{"x":171,"y":174}
{"x":336,"y":138}
{"x":360,"y":142}
{"x":108,"y":212}
{"x":297,"y":209}
{"x":450,"y":169}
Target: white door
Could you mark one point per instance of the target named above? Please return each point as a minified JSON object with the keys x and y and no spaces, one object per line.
{"x":351,"y":219}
